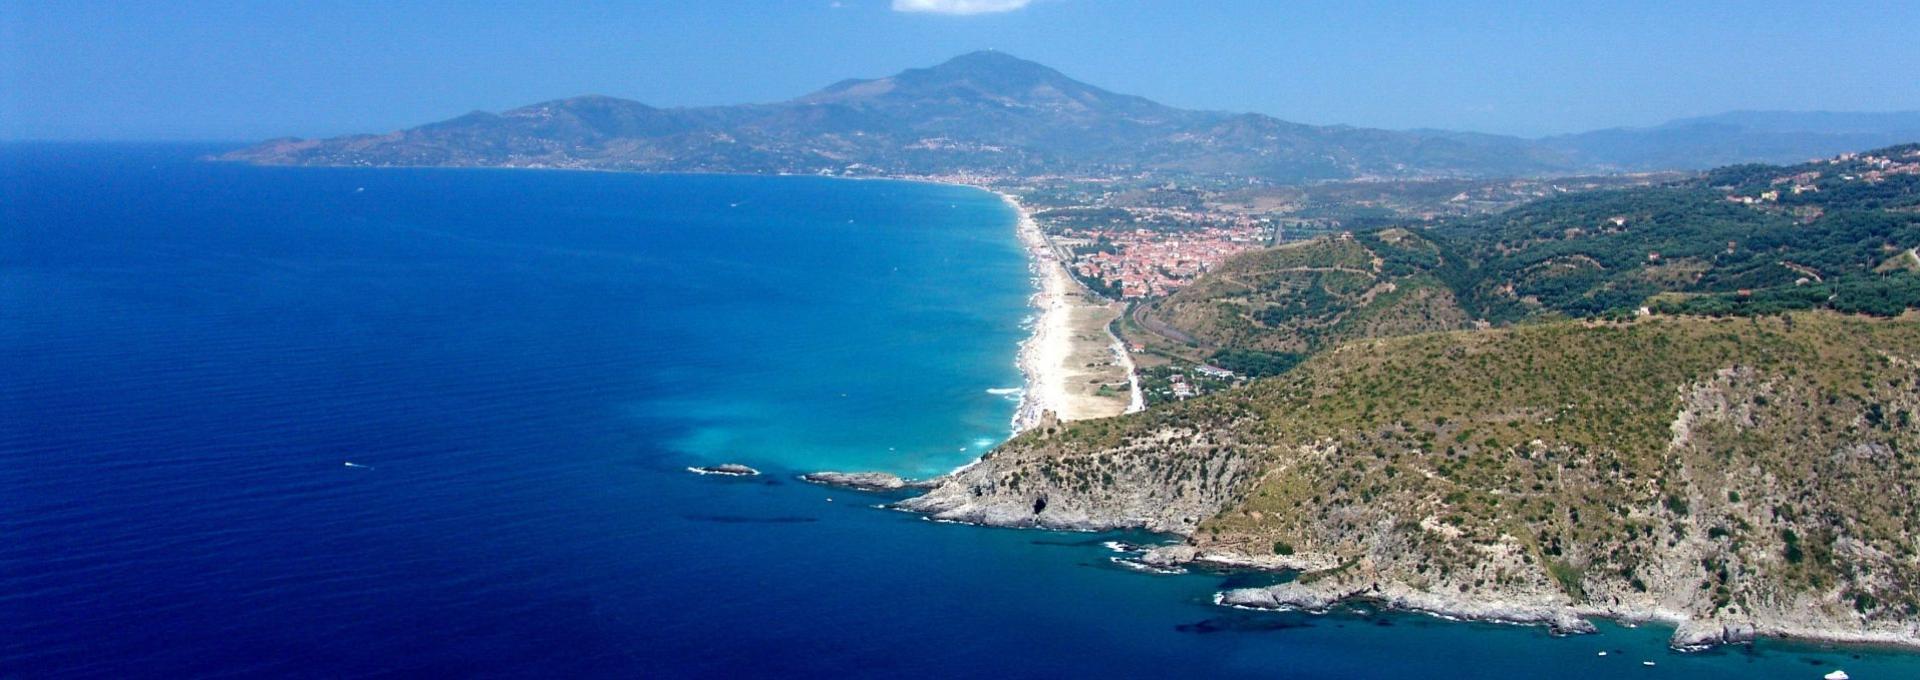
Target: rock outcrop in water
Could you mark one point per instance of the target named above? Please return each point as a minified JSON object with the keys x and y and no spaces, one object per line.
{"x":726,"y":469}
{"x":863,"y":481}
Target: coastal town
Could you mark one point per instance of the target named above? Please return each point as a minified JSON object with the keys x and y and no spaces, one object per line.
{"x":1131,"y":241}
{"x":1132,"y":262}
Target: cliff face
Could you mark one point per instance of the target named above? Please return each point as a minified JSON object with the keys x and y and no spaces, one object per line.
{"x":1168,"y":481}
{"x":1736,"y":476}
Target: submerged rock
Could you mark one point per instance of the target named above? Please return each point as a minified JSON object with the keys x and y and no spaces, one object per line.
{"x":726,"y":469}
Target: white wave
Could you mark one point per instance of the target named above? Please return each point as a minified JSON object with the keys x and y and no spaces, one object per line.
{"x":1137,"y":565}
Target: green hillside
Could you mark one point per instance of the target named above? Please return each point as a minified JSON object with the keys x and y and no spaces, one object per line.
{"x":1740,"y":240}
{"x":1302,"y":297}
{"x":1838,"y":234}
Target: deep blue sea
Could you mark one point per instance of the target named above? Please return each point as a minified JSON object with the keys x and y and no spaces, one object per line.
{"x":523,"y":364}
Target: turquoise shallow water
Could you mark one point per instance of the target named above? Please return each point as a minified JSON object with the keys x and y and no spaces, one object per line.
{"x":526,"y":362}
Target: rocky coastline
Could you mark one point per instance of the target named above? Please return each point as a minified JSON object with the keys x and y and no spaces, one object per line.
{"x":1324,"y":582}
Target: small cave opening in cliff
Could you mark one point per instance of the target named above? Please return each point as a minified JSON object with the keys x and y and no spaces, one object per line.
{"x":1039,"y":504}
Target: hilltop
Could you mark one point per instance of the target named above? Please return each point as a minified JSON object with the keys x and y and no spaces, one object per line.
{"x":989,"y":113}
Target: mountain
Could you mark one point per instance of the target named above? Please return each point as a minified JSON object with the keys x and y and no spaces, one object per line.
{"x":1737,"y":137}
{"x":984,"y":112}
{"x":992,"y":113}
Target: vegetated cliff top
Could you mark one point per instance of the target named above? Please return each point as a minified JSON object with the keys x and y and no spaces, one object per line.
{"x":1754,"y":471}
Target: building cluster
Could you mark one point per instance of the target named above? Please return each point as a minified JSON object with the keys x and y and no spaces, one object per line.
{"x":1880,"y":167}
{"x":1140,"y":262}
{"x":1868,"y":168}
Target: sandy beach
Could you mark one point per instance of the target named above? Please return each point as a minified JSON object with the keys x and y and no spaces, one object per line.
{"x":1075,"y":367}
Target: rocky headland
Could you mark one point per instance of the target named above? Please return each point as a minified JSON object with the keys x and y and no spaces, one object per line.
{"x":1750,"y":478}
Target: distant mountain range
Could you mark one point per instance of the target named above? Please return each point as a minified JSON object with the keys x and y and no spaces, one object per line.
{"x":1738,"y":137}
{"x":989,"y":112}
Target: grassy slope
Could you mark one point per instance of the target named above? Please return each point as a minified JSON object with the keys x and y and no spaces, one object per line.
{"x":1306,"y":296}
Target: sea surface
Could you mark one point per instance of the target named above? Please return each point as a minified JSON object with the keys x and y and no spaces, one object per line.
{"x":521,"y":365}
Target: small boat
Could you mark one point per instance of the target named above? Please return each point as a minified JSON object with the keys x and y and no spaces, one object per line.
{"x":1646,"y":663}
{"x":1836,"y":675}
{"x":352,"y":464}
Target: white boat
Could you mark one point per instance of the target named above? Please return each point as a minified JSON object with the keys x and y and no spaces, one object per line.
{"x":1836,"y":675}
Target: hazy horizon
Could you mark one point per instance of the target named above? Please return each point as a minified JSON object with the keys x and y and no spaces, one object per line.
{"x":218,"y":71}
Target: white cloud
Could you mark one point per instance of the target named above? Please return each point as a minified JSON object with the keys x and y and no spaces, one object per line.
{"x":958,"y":6}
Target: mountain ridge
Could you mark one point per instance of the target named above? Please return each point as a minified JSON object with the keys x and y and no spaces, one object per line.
{"x":984,"y":113}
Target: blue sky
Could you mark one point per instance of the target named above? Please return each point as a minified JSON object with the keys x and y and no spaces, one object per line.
{"x":247,"y":70}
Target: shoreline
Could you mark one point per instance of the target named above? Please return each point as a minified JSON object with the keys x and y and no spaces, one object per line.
{"x":1690,"y":635}
{"x":1033,"y":379}
{"x":1048,"y":355}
